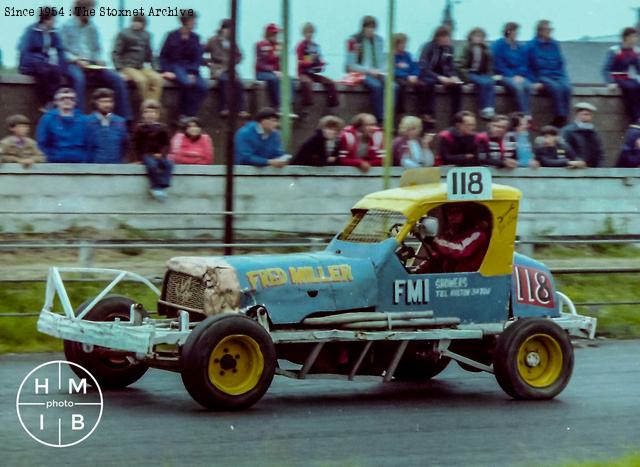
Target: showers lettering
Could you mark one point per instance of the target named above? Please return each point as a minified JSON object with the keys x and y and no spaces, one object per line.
{"x":458,"y":287}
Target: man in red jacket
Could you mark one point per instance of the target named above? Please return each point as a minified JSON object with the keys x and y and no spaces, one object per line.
{"x":362,"y":143}
{"x":461,"y":245}
{"x":310,"y":65}
{"x":268,"y":53}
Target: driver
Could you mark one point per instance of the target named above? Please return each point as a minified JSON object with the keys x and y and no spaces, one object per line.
{"x":461,"y":244}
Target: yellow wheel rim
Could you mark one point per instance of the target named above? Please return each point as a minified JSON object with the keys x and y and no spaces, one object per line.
{"x":540,"y":360}
{"x":236,"y":364}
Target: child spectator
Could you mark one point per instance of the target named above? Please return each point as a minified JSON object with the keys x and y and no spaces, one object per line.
{"x":310,"y":65}
{"x":476,"y":66}
{"x":406,"y":72}
{"x":42,"y":56}
{"x":268,"y":53}
{"x":583,"y":138}
{"x":548,"y":71}
{"x":106,"y":131}
{"x":362,"y":143}
{"x":131,"y":52}
{"x":62,"y":131}
{"x":258,"y":143}
{"x":458,"y":145}
{"x":630,"y":153}
{"x":365,"y":54}
{"x":617,"y":71}
{"x":180,"y":60}
{"x":322,"y":147}
{"x":510,"y":66}
{"x":437,"y":67}
{"x":82,"y":47}
{"x":494,"y":148}
{"x":18,"y":147}
{"x":219,"y":50}
{"x":411,"y":149}
{"x":191,"y":146}
{"x":519,"y":137}
{"x":151,"y":145}
{"x":553,"y":152}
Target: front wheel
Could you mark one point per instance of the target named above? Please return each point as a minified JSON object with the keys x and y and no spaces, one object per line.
{"x":111,"y":368}
{"x":533,"y":359}
{"x":228,"y":362}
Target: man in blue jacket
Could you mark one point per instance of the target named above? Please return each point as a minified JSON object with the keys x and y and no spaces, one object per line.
{"x":547,"y":68}
{"x":510,"y":64}
{"x":630,"y":153}
{"x":42,"y":56}
{"x":258,"y":143}
{"x":61,"y":132}
{"x":180,"y":60}
{"x":106,"y":131}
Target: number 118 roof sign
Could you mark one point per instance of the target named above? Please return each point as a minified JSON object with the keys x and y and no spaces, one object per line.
{"x":420,"y":275}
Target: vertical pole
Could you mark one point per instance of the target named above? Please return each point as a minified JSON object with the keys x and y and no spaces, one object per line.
{"x":231,"y":130}
{"x":121,"y":17}
{"x":389,"y":96}
{"x":285,"y":80}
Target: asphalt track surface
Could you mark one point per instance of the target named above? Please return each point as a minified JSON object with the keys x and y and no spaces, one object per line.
{"x":460,"y":418}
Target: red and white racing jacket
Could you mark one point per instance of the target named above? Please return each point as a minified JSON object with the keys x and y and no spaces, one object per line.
{"x":349,"y":142}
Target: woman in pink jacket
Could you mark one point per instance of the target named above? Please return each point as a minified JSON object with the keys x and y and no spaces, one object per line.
{"x":191,"y":146}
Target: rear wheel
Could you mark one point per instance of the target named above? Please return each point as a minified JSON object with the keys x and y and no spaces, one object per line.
{"x":228,"y":362}
{"x":533,"y":359}
{"x":112,"y":369}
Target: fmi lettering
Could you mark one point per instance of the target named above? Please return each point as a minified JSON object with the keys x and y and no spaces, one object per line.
{"x":533,"y":287}
{"x":77,"y":420}
{"x":411,"y":292}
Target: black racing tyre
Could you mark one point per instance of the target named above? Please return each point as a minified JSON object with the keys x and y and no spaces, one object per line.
{"x":533,"y":359}
{"x":228,"y":362}
{"x":112,"y":369}
{"x":417,"y":366}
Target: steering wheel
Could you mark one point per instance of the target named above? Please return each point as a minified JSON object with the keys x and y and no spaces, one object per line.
{"x":426,"y":252}
{"x":395,"y":230}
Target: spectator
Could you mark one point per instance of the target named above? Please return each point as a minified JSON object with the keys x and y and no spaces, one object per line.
{"x":310,"y":65}
{"x":617,"y":71}
{"x":582,"y":137}
{"x":130,"y":54}
{"x":268,"y":53}
{"x":219,"y":50}
{"x":519,"y":136}
{"x":82,"y":46}
{"x":106,"y":132}
{"x":180,"y":60}
{"x":362,"y":143}
{"x":61,"y":132}
{"x":494,"y":148}
{"x":475,"y":65}
{"x":510,"y":66}
{"x":322,"y":147}
{"x":406,"y":71}
{"x":42,"y":56}
{"x":18,"y":147}
{"x":546,"y":63}
{"x":553,"y":152}
{"x":630,"y":153}
{"x":365,"y":54}
{"x":258,"y":143}
{"x":437,"y":67}
{"x":191,"y":145}
{"x":151,"y":145}
{"x":458,"y":145}
{"x":411,"y":149}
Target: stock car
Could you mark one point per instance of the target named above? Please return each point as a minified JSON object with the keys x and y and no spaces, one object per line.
{"x":365,"y":307}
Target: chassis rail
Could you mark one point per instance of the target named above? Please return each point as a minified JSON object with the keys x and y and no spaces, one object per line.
{"x":140,"y":336}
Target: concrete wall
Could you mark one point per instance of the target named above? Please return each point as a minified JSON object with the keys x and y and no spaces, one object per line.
{"x":49,"y":198}
{"x":17,"y":96}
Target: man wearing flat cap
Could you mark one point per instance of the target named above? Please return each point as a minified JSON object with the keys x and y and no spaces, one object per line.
{"x":582,"y":136}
